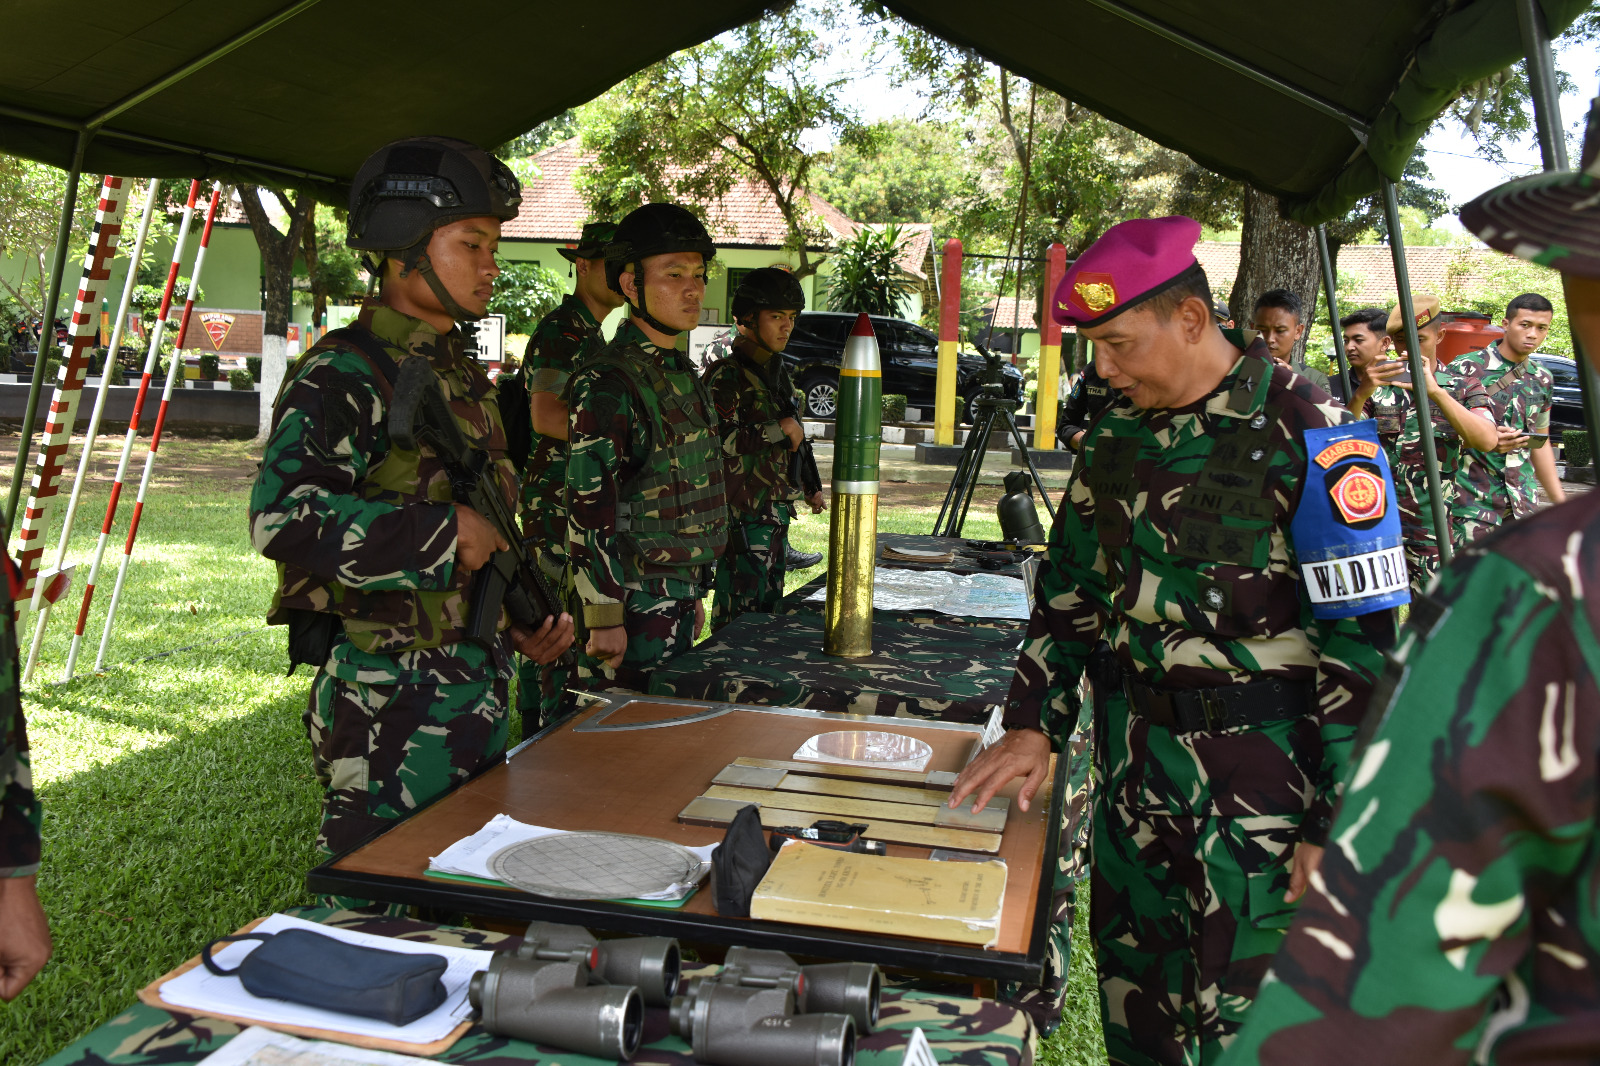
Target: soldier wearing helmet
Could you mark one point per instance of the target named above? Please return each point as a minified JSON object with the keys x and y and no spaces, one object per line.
{"x":374,"y":557}
{"x":754,"y":398}
{"x":560,"y":341}
{"x":646,"y":516}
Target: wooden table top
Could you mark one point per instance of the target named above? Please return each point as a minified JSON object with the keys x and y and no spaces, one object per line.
{"x":586,"y":774}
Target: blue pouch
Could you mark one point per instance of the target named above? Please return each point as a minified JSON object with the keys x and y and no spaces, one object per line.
{"x":304,"y":967}
{"x":1347,"y":527}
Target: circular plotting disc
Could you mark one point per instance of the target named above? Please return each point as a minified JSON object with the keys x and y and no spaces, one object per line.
{"x":594,"y":865}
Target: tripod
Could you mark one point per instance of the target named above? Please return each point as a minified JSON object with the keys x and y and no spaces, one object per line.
{"x":988,"y":405}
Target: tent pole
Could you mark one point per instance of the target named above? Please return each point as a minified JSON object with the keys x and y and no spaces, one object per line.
{"x":1419,"y":372}
{"x":1553,"y":151}
{"x":1330,"y":285}
{"x":58,"y":267}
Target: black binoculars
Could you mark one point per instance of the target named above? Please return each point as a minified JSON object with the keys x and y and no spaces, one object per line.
{"x":551,"y":1002}
{"x":649,"y":963}
{"x":764,"y":1009}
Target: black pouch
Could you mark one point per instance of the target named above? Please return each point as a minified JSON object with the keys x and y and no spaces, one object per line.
{"x":311,"y":637}
{"x":304,"y":967}
{"x":739,"y":863}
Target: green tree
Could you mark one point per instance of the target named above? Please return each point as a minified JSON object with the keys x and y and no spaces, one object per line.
{"x":31,"y":195}
{"x":911,"y":171}
{"x":333,"y":271}
{"x":741,"y":107}
{"x":525,"y":293}
{"x":865,"y":276}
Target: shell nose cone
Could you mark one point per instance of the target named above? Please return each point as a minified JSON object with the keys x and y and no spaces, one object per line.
{"x":861,"y":350}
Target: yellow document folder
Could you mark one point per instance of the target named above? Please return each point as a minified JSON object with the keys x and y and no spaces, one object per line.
{"x":810,"y":885}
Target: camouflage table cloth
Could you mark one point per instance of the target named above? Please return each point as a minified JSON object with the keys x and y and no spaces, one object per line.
{"x":924,"y":669}
{"x":969,"y":1032}
{"x":921,"y":542}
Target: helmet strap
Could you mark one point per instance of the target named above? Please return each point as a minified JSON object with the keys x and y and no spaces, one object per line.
{"x":424,"y":266}
{"x":644,"y":312}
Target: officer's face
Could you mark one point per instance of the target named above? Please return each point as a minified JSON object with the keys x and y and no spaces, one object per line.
{"x":1428,"y":338}
{"x":772,"y":329}
{"x":1526,"y":331}
{"x":1150,"y":361}
{"x":1362,"y":347}
{"x":1280,"y":330}
{"x":674,"y":287}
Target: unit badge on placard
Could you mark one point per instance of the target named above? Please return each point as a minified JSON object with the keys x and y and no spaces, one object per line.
{"x":1359,"y":495}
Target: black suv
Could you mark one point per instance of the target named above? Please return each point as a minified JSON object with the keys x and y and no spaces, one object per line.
{"x":1567,"y":409}
{"x":910,"y":357}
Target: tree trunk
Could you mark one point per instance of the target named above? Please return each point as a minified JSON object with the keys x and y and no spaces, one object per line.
{"x":1274,"y":253}
{"x":277,"y":269}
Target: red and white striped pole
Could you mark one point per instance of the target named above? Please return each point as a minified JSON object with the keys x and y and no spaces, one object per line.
{"x":53,"y":583}
{"x":161,"y":420}
{"x":82,"y":334}
{"x":133,"y":426}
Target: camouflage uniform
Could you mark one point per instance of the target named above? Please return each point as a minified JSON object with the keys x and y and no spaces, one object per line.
{"x":1521,"y":395}
{"x":1088,"y":397}
{"x":561,"y":340}
{"x":1455,"y":921}
{"x":646,"y":517}
{"x":1194,"y":588}
{"x":962,"y":1032}
{"x":404,"y":708}
{"x":1462,"y":475}
{"x":750,"y":397}
{"x":19,"y":810}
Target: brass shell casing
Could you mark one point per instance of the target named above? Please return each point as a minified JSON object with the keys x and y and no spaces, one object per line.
{"x":852,"y":559}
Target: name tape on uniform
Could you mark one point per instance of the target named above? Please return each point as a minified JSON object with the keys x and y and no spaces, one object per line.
{"x":1356,"y":577}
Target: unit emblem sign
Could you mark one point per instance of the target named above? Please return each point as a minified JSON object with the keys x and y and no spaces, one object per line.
{"x":1359,"y":495}
{"x":218,"y":324}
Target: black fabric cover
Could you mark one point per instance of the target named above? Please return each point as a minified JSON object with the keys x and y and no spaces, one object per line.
{"x":739,"y":863}
{"x":304,"y":967}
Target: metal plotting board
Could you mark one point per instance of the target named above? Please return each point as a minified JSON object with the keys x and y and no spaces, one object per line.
{"x":595,"y":865}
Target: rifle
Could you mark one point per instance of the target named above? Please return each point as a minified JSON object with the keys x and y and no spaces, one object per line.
{"x":511,"y":578}
{"x":803,"y":473}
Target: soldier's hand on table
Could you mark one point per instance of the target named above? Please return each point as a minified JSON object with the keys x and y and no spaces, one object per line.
{"x":476,"y":539}
{"x":1511,"y":440}
{"x":1307,"y":857}
{"x":1023,"y":753}
{"x":817,"y":503}
{"x":793,"y":431}
{"x":608,"y":645}
{"x":545,"y":644}
{"x":24,"y":935}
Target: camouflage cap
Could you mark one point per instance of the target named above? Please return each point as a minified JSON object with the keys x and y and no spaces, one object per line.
{"x":1426,"y":307}
{"x":1552,"y":219}
{"x":591,"y":242}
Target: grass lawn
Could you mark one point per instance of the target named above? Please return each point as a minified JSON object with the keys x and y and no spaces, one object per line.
{"x":177,"y":786}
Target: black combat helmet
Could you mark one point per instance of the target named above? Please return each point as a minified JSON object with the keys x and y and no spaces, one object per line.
{"x":767,"y":289}
{"x":408,"y":189}
{"x":654,"y":229}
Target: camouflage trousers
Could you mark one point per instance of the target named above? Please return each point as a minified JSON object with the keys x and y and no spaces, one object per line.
{"x":750,"y":573}
{"x":1043,"y":1001}
{"x":1192,"y":838}
{"x":382,"y":751}
{"x":657,"y":628}
{"x":544,"y":690}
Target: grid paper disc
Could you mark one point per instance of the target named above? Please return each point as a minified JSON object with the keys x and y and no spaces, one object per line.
{"x":594,"y":865}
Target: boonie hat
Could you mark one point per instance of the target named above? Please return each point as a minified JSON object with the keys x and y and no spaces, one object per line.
{"x":591,"y":242}
{"x":1131,"y":262}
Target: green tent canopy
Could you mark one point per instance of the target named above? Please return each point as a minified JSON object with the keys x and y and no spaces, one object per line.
{"x":1309,"y":101}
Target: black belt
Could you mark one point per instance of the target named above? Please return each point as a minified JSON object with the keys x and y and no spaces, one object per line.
{"x":1208,"y":710}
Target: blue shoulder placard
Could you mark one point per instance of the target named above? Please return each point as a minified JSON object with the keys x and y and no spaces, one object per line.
{"x":1347,"y":527}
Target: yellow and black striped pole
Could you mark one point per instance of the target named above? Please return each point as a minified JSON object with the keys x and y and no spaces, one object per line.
{"x":853,"y":532}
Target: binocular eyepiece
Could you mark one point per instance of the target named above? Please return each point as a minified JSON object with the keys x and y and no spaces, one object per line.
{"x":552,"y":1002}
{"x":727,"y":1024}
{"x":650,"y":963}
{"x":851,"y":988}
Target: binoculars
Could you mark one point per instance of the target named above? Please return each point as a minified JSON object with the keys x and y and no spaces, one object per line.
{"x":764,"y":1009}
{"x":552,"y":1002}
{"x":649,"y":963}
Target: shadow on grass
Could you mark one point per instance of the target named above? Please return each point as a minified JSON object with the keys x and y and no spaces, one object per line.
{"x":151,"y":854}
